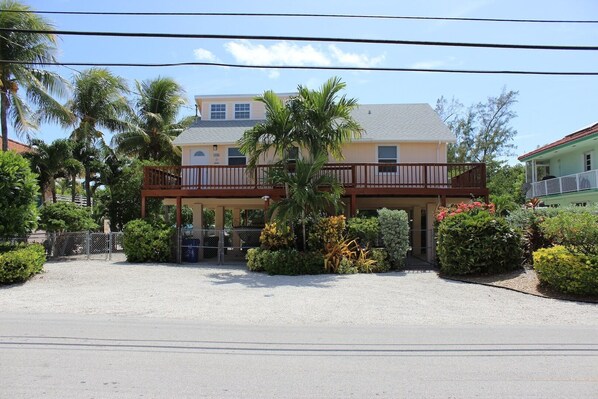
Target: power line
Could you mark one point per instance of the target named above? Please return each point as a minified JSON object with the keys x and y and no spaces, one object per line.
{"x":304,"y":39}
{"x":304,"y":67}
{"x":308,"y":15}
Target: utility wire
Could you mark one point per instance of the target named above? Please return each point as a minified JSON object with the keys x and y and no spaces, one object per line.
{"x":304,"y":67}
{"x":307,"y":15}
{"x":303,"y":39}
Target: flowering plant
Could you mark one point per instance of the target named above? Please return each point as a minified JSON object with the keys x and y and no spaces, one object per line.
{"x":455,"y":209}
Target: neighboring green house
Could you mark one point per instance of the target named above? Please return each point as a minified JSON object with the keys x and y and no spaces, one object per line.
{"x":565,"y":172}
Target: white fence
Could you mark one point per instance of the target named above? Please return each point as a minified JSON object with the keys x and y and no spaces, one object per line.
{"x":565,"y":184}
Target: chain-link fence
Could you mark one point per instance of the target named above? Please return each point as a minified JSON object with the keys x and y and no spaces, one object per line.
{"x":79,"y":245}
{"x":217,"y":246}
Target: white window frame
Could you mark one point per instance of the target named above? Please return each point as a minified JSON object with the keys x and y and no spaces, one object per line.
{"x":248,"y":111}
{"x":229,"y":157}
{"x":588,"y":156}
{"x":218,"y":112}
{"x":396,"y":159}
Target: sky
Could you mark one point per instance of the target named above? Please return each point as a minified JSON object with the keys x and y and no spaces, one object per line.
{"x":548,"y":107}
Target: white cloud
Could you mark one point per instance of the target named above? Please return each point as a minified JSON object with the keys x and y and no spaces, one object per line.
{"x":201,"y":54}
{"x":354,"y":59}
{"x":285,"y":53}
{"x":433,"y":64}
{"x":274,"y":74}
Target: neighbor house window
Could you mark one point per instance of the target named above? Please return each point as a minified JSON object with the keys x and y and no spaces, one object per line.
{"x":218,"y":111}
{"x":241,"y":111}
{"x":387,"y":154}
{"x":235,"y":157}
{"x":542,"y":170}
{"x":587,"y":161}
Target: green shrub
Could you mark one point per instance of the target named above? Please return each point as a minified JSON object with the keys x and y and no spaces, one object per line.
{"x":66,"y":216}
{"x":18,"y":196}
{"x":578,"y":232}
{"x":20,"y":263}
{"x":285,"y":261}
{"x":327,"y":230}
{"x":528,"y":221}
{"x":394,"y":229}
{"x":346,"y":266}
{"x":477,"y":243}
{"x":380,"y":256}
{"x":573,"y":273}
{"x":365,"y":230}
{"x":275,"y":237}
{"x":145,"y":241}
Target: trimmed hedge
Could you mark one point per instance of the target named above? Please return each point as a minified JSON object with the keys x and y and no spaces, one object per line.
{"x":21,"y":262}
{"x":365,"y":230}
{"x":145,"y":241}
{"x":394,"y":228}
{"x":470,"y":243}
{"x":567,"y":272}
{"x":578,"y":232}
{"x":285,"y":261}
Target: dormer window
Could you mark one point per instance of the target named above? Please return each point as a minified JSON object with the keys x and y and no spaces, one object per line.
{"x":218,"y":111}
{"x":242,"y":111}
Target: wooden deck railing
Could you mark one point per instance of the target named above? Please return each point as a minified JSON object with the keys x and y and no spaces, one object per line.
{"x":350,"y":175}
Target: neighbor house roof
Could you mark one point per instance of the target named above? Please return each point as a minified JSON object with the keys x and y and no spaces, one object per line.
{"x":15,"y":146}
{"x":381,"y":123}
{"x":570,"y":138}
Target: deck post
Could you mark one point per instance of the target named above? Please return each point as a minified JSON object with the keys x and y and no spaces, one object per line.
{"x":179,"y":212}
{"x":353,"y":209}
{"x":142,"y":206}
{"x":417,"y":230}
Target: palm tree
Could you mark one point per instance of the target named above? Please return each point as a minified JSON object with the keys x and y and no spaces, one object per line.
{"x":47,"y":160}
{"x":322,"y":120}
{"x":98,"y":103}
{"x":311,"y":192}
{"x":276,"y":133}
{"x":27,"y":51}
{"x":157,"y":107}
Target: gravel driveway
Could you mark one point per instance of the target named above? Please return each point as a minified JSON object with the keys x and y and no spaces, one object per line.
{"x":233,"y":295}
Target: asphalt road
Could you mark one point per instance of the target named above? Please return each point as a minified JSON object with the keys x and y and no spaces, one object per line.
{"x":55,"y":356}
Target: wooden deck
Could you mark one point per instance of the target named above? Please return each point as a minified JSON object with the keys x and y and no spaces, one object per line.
{"x":358,"y":179}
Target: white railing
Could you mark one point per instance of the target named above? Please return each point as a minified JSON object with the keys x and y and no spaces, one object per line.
{"x":564,"y":184}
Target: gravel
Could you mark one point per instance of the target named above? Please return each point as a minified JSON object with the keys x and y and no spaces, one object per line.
{"x":232,"y":295}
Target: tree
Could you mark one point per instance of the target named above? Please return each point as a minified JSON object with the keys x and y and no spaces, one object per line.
{"x":505,"y":184}
{"x":23,"y":76}
{"x":155,"y":126}
{"x":311,"y":192}
{"x":49,"y":161}
{"x":18,"y":196}
{"x":120,"y":201}
{"x":318,"y":121}
{"x":98,"y":103}
{"x":483,"y":132}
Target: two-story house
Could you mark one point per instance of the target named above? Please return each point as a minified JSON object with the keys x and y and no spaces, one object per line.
{"x":400,"y":162}
{"x":564,"y":172}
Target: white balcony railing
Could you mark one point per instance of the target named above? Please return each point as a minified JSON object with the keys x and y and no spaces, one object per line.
{"x":564,"y":184}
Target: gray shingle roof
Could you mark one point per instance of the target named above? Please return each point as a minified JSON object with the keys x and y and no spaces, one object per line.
{"x":381,"y":122}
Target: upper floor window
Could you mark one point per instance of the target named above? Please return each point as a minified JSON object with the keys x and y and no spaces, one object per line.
{"x":387,"y":154}
{"x":236,"y":157}
{"x":218,"y":111}
{"x":242,"y":111}
{"x":587,"y":161}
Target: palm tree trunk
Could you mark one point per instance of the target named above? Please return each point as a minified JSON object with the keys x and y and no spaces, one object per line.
{"x":54,"y":199}
{"x":87,"y":185}
{"x":73,"y":187}
{"x":3,"y":118}
{"x":303,"y":226}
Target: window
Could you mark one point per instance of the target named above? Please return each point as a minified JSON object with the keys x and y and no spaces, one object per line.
{"x":241,"y":111}
{"x":199,"y":154}
{"x":218,"y":111}
{"x":292,"y":154}
{"x":587,"y":161}
{"x":542,"y":170}
{"x":387,"y":154}
{"x":235,"y":157}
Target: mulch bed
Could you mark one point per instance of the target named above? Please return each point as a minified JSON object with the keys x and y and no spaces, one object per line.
{"x":525,"y":281}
